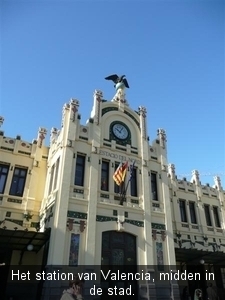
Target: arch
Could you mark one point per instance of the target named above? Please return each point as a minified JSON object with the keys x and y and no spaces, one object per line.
{"x":119,"y":255}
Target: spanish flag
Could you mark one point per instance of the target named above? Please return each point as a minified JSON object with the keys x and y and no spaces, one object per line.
{"x":120,"y":173}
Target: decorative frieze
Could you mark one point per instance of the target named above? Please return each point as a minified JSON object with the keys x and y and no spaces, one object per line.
{"x":77,"y":215}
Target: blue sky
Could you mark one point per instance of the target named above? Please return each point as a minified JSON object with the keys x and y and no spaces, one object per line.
{"x":172,"y":53}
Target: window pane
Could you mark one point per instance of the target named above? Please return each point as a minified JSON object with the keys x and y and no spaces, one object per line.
{"x":133,"y":183}
{"x":154,"y":186}
{"x":105,"y":176}
{"x":18,"y":182}
{"x":192,"y":212}
{"x":216,"y":216}
{"x":3,"y":177}
{"x":79,"y":173}
{"x":207,"y":215}
{"x":183,"y":213}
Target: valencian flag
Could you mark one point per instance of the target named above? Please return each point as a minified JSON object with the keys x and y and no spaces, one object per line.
{"x":120,"y":173}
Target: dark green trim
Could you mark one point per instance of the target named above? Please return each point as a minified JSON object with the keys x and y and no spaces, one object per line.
{"x":135,"y":223}
{"x":76,"y":214}
{"x":108,"y":109}
{"x":132,"y":117}
{"x":158,"y":226}
{"x":105,"y":219}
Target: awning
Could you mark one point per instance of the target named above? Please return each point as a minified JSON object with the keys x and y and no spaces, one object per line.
{"x":20,"y":239}
{"x":193,"y":256}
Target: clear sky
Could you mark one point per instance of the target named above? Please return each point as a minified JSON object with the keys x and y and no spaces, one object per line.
{"x":172,"y":53}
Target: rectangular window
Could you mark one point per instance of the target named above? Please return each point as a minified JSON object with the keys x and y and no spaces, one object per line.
{"x":133,"y":183}
{"x":183,"y":213}
{"x":116,"y":187}
{"x":192,"y":212}
{"x":51,"y":179}
{"x":18,"y":182}
{"x":207,"y":215}
{"x":159,"y":255}
{"x":105,"y":176}
{"x":74,"y":249}
{"x":56,"y":173}
{"x":154,"y":186}
{"x":79,"y":173}
{"x":4,"y":169}
{"x":216,"y":216}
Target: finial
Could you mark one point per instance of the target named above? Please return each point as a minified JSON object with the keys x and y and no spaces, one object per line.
{"x":1,"y":120}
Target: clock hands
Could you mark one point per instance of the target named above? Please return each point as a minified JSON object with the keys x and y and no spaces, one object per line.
{"x":117,"y":130}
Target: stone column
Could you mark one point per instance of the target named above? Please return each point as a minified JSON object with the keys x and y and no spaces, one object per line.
{"x":168,"y":235}
{"x":146,"y":291}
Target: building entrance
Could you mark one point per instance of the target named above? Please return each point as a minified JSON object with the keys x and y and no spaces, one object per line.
{"x":119,"y":256}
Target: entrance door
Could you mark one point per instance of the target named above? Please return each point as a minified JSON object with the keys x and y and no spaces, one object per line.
{"x":119,"y":256}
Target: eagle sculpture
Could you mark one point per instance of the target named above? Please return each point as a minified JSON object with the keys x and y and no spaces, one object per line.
{"x":116,"y":79}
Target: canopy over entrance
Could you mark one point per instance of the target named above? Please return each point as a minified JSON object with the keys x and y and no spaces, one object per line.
{"x":20,"y":239}
{"x":193,"y":256}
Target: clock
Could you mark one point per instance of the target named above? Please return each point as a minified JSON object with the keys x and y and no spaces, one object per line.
{"x":120,"y":131}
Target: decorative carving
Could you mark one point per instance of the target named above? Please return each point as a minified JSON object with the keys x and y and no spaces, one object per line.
{"x":75,"y":214}
{"x":162,"y":137}
{"x":195,"y":177}
{"x":144,"y":163}
{"x":82,"y":225}
{"x":120,"y":84}
{"x":27,"y":216}
{"x":66,"y":108}
{"x":217,"y":183}
{"x":171,"y":170}
{"x":70,"y":224}
{"x":74,"y":104}
{"x":118,"y":80}
{"x":54,"y":133}
{"x":158,"y":226}
{"x":41,"y":136}
{"x":1,"y":120}
{"x":94,"y":150}
{"x":120,"y":222}
{"x":120,"y":96}
{"x":164,"y":168}
{"x":69,"y":143}
{"x":36,"y":163}
{"x":142,"y":111}
{"x":154,"y":233}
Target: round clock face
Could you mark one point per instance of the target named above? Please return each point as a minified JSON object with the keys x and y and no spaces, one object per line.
{"x":120,"y":131}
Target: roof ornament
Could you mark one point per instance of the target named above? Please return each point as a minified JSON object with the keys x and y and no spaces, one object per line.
{"x":120,"y":84}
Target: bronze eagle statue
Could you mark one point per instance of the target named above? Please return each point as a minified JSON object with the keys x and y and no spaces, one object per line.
{"x":116,"y":79}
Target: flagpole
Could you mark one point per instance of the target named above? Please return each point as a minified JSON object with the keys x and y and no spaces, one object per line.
{"x":123,"y":198}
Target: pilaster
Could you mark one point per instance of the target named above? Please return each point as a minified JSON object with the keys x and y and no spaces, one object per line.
{"x":171,"y":259}
{"x":58,"y":236}
{"x":92,"y":211}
